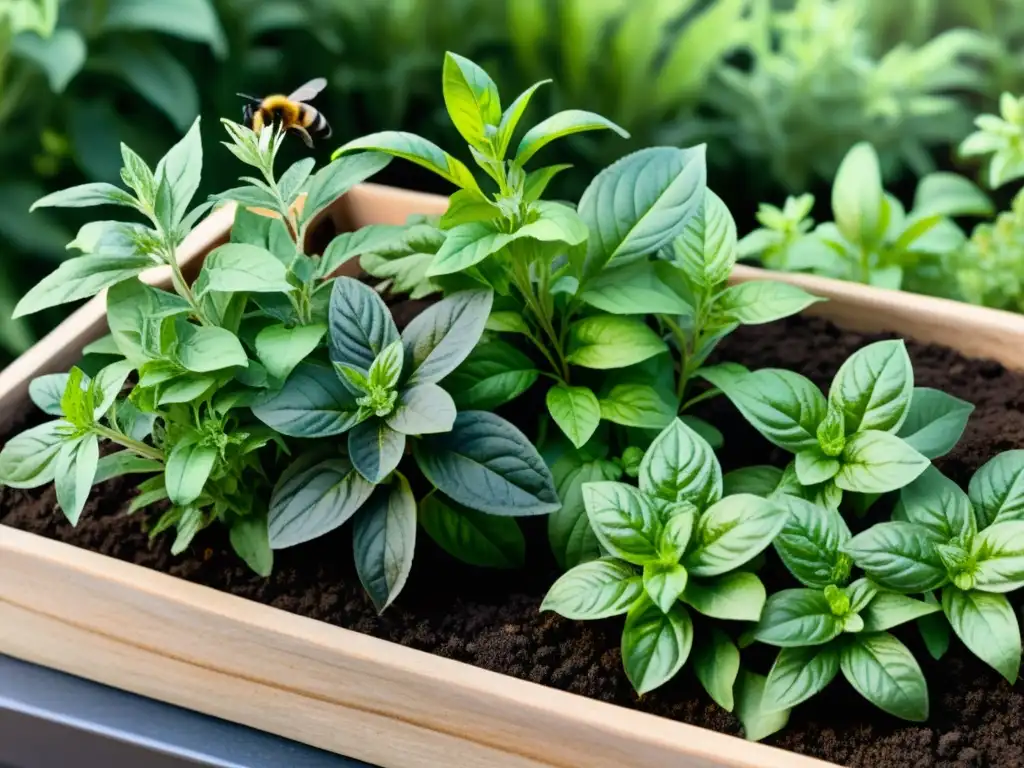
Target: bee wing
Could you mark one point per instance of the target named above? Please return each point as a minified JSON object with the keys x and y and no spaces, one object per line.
{"x":309,"y":90}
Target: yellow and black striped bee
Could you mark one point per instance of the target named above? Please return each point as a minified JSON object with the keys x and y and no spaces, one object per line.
{"x":289,"y":112}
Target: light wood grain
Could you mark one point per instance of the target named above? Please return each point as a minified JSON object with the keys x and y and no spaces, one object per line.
{"x":152,"y":634}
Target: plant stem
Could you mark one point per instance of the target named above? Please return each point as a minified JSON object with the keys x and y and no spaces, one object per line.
{"x":123,"y":440}
{"x":713,"y":392}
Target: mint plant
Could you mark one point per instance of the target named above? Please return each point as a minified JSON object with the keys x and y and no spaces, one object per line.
{"x":673,"y":544}
{"x":968,"y":547}
{"x":836,"y":623}
{"x":874,"y":433}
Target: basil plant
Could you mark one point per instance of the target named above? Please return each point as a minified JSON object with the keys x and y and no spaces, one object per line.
{"x":836,"y":622}
{"x":673,"y":545}
{"x":967,"y":547}
{"x":874,"y":433}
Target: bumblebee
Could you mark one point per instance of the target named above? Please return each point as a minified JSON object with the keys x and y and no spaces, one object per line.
{"x":289,"y":112}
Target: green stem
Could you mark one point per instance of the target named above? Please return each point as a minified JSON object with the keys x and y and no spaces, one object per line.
{"x":713,"y":392}
{"x":123,"y":440}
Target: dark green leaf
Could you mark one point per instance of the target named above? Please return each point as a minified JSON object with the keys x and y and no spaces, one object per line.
{"x":734,"y":596}
{"x":188,"y":467}
{"x":716,"y":662}
{"x":443,"y":336}
{"x":572,"y":539}
{"x":359,"y":323}
{"x":375,"y":449}
{"x":312,"y":403}
{"x":334,"y":180}
{"x":423,"y":410}
{"x":473,"y":537}
{"x":759,"y":480}
{"x":384,"y":541}
{"x":492,"y":375}
{"x":885,"y":673}
{"x":794,"y":618}
{"x":810,"y":543}
{"x":898,"y":556}
{"x":732,"y":532}
{"x":798,"y":674}
{"x":251,"y":542}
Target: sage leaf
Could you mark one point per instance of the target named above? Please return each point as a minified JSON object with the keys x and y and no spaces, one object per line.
{"x":641,"y":203}
{"x":281,"y":348}
{"x":575,"y":410}
{"x":783,"y":406}
{"x":251,"y":542}
{"x":997,"y":489}
{"x":46,"y":392}
{"x":763,"y":301}
{"x":793,"y":618}
{"x":874,"y":387}
{"x":108,"y":384}
{"x":494,"y":373}
{"x":937,"y":503}
{"x":732,"y":532}
{"x":758,"y":722}
{"x":636,"y":405}
{"x":368,"y":239}
{"x":934,"y":422}
{"x":74,"y":469}
{"x":716,"y":662}
{"x":85,"y":195}
{"x":988,"y":627}
{"x":28,"y":460}
{"x":610,"y":341}
{"x":487,"y":464}
{"x":899,"y":556}
{"x":680,"y":466}
{"x":313,"y":498}
{"x":443,"y":336}
{"x":878,"y":462}
{"x":384,"y":541}
{"x":885,"y":673}
{"x":424,"y":409}
{"x":595,"y":590}
{"x":999,"y":553}
{"x":359,"y":324}
{"x":572,"y":539}
{"x":561,"y":124}
{"x":473,"y":537}
{"x":734,"y":596}
{"x":188,"y":468}
{"x":810,"y":543}
{"x":312,"y":403}
{"x":798,"y":674}
{"x":375,"y":449}
{"x":888,"y":609}
{"x":655,"y":644}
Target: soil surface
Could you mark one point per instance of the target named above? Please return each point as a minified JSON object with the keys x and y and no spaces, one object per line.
{"x":491,"y":619}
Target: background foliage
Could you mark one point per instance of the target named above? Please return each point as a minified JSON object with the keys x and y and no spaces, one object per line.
{"x":781,"y":89}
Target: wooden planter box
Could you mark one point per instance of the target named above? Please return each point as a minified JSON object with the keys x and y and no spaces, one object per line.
{"x":189,"y":645}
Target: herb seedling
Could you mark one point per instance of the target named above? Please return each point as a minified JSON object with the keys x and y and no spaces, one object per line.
{"x":968,"y":546}
{"x":673,"y":543}
{"x":1002,"y":138}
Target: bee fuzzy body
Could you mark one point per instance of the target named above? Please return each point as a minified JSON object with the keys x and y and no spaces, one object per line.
{"x":290,"y":113}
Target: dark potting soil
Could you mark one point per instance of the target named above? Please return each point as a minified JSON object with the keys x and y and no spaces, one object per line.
{"x":490,"y":618}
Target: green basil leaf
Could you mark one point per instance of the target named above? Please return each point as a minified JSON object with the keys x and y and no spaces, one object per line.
{"x":375,"y":449}
{"x":594,"y":590}
{"x":129,"y":305}
{"x":238,"y":267}
{"x":537,"y":181}
{"x":664,"y":583}
{"x":492,"y":375}
{"x":281,"y":348}
{"x":359,"y":324}
{"x":368,"y":239}
{"x":415,"y":149}
{"x":987,"y":625}
{"x":471,"y":98}
{"x":46,"y":392}
{"x":74,"y":469}
{"x":641,"y":203}
{"x":628,"y":523}
{"x":937,"y":503}
{"x":251,"y":542}
{"x":338,"y":177}
{"x":759,"y":480}
{"x":898,"y":556}
{"x":424,"y":409}
{"x":611,"y":341}
{"x":675,"y":536}
{"x":638,"y":288}
{"x":680,"y":466}
{"x":29,"y":460}
{"x":188,"y":524}
{"x":999,"y":553}
{"x":735,"y":596}
{"x":950,"y":194}
{"x":441,"y":337}
{"x":934,"y":422}
{"x":188,"y":467}
{"x":108,"y":384}
{"x":507,"y":322}
{"x":466,"y":206}
{"x":85,"y":195}
{"x":655,"y":644}
{"x":80,"y":278}
{"x":487,"y":464}
{"x":575,"y":410}
{"x":885,"y":673}
{"x":795,"y":618}
{"x":810,"y":541}
{"x":202,"y":349}
{"x":934,"y":629}
{"x":510,"y":119}
{"x":716,"y":662}
{"x":878,"y":462}
{"x":814,"y":467}
{"x":122,"y":463}
{"x":561,"y":124}
{"x":888,"y":609}
{"x":312,"y":498}
{"x":706,"y":248}
{"x":997,"y":489}
{"x":636,"y":405}
{"x":291,"y":181}
{"x":384,"y":541}
{"x":312,"y":403}
{"x":185,"y":389}
{"x":572,"y":539}
{"x":783,"y":406}
{"x":732,"y":532}
{"x":874,"y":387}
{"x":798,"y":674}
{"x":857,"y":202}
{"x":763,"y":301}
{"x":758,"y":722}
{"x":487,"y":541}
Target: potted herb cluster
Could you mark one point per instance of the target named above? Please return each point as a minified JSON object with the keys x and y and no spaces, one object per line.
{"x":555,"y":373}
